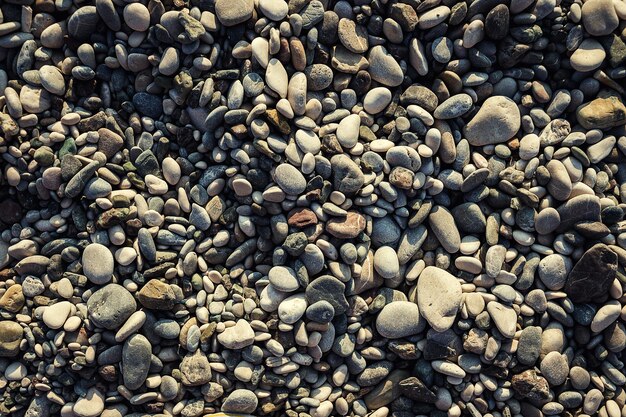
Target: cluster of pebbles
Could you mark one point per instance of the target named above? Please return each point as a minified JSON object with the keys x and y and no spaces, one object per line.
{"x":312,"y":208}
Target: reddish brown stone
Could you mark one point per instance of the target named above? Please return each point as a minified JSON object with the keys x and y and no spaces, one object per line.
{"x":302,"y":217}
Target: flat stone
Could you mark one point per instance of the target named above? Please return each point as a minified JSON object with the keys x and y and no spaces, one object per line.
{"x":238,"y":336}
{"x":554,"y":368}
{"x":593,"y":275}
{"x":289,"y":179}
{"x":497,"y":121}
{"x":553,"y":271}
{"x":136,"y":357}
{"x":504,"y":318}
{"x":399,"y":319}
{"x":384,"y":68}
{"x":455,"y":106}
{"x":55,"y":315}
{"x":599,"y":17}
{"x":588,"y":56}
{"x":330,"y":289}
{"x":240,"y":401}
{"x":111,"y":306}
{"x":529,"y":345}
{"x":90,"y":405}
{"x":233,"y":12}
{"x":439,"y":297}
{"x":443,"y":226}
{"x":98,"y":263}
{"x":283,"y":278}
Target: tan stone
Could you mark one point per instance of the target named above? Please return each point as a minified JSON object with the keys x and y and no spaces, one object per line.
{"x":602,"y":113}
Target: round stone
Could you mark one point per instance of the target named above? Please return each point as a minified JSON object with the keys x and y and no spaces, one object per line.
{"x":386,"y":262}
{"x":111,"y":306}
{"x":233,"y":12}
{"x":283,"y":278}
{"x":98,"y":263}
{"x":376,"y":100}
{"x":83,"y":22}
{"x":588,"y":56}
{"x":137,"y":17}
{"x":240,"y":401}
{"x":289,"y":179}
{"x":497,"y":121}
{"x":399,"y":319}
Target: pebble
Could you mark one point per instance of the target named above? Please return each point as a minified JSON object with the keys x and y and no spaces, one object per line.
{"x":497,"y":121}
{"x":439,"y":297}
{"x":399,"y":319}
{"x":98,"y":263}
{"x":110,"y":306}
{"x":588,"y":56}
{"x":271,"y":207}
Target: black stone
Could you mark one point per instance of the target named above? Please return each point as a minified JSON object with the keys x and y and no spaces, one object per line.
{"x":592,"y":276}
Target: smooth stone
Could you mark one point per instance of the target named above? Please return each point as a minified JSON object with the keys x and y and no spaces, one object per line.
{"x":605,"y":316}
{"x":240,"y":401}
{"x":588,"y":56}
{"x":54,"y":316}
{"x":276,"y":77}
{"x":553,"y":271}
{"x":386,"y":262}
{"x":529,"y":345}
{"x":593,"y":275}
{"x":82,"y":23}
{"x":90,"y":405}
{"x":283,"y":278}
{"x":291,"y":309}
{"x":497,"y":121}
{"x":52,"y":79}
{"x":376,"y":100}
{"x":599,"y":17}
{"x":348,"y":131}
{"x":455,"y":106}
{"x":136,"y":358}
{"x":98,"y":263}
{"x":383,"y":68}
{"x":560,"y":184}
{"x":443,"y":226}
{"x":554,"y":368}
{"x":137,"y":17}
{"x":504,"y":318}
{"x":111,"y":306}
{"x":238,"y":336}
{"x":34,"y":99}
{"x":399,"y":319}
{"x":439,"y":297}
{"x":233,"y":12}
{"x":274,"y":9}
{"x":547,"y":221}
{"x":289,"y":179}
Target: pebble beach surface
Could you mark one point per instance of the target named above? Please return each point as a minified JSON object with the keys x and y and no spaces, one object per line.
{"x":312,"y":208}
